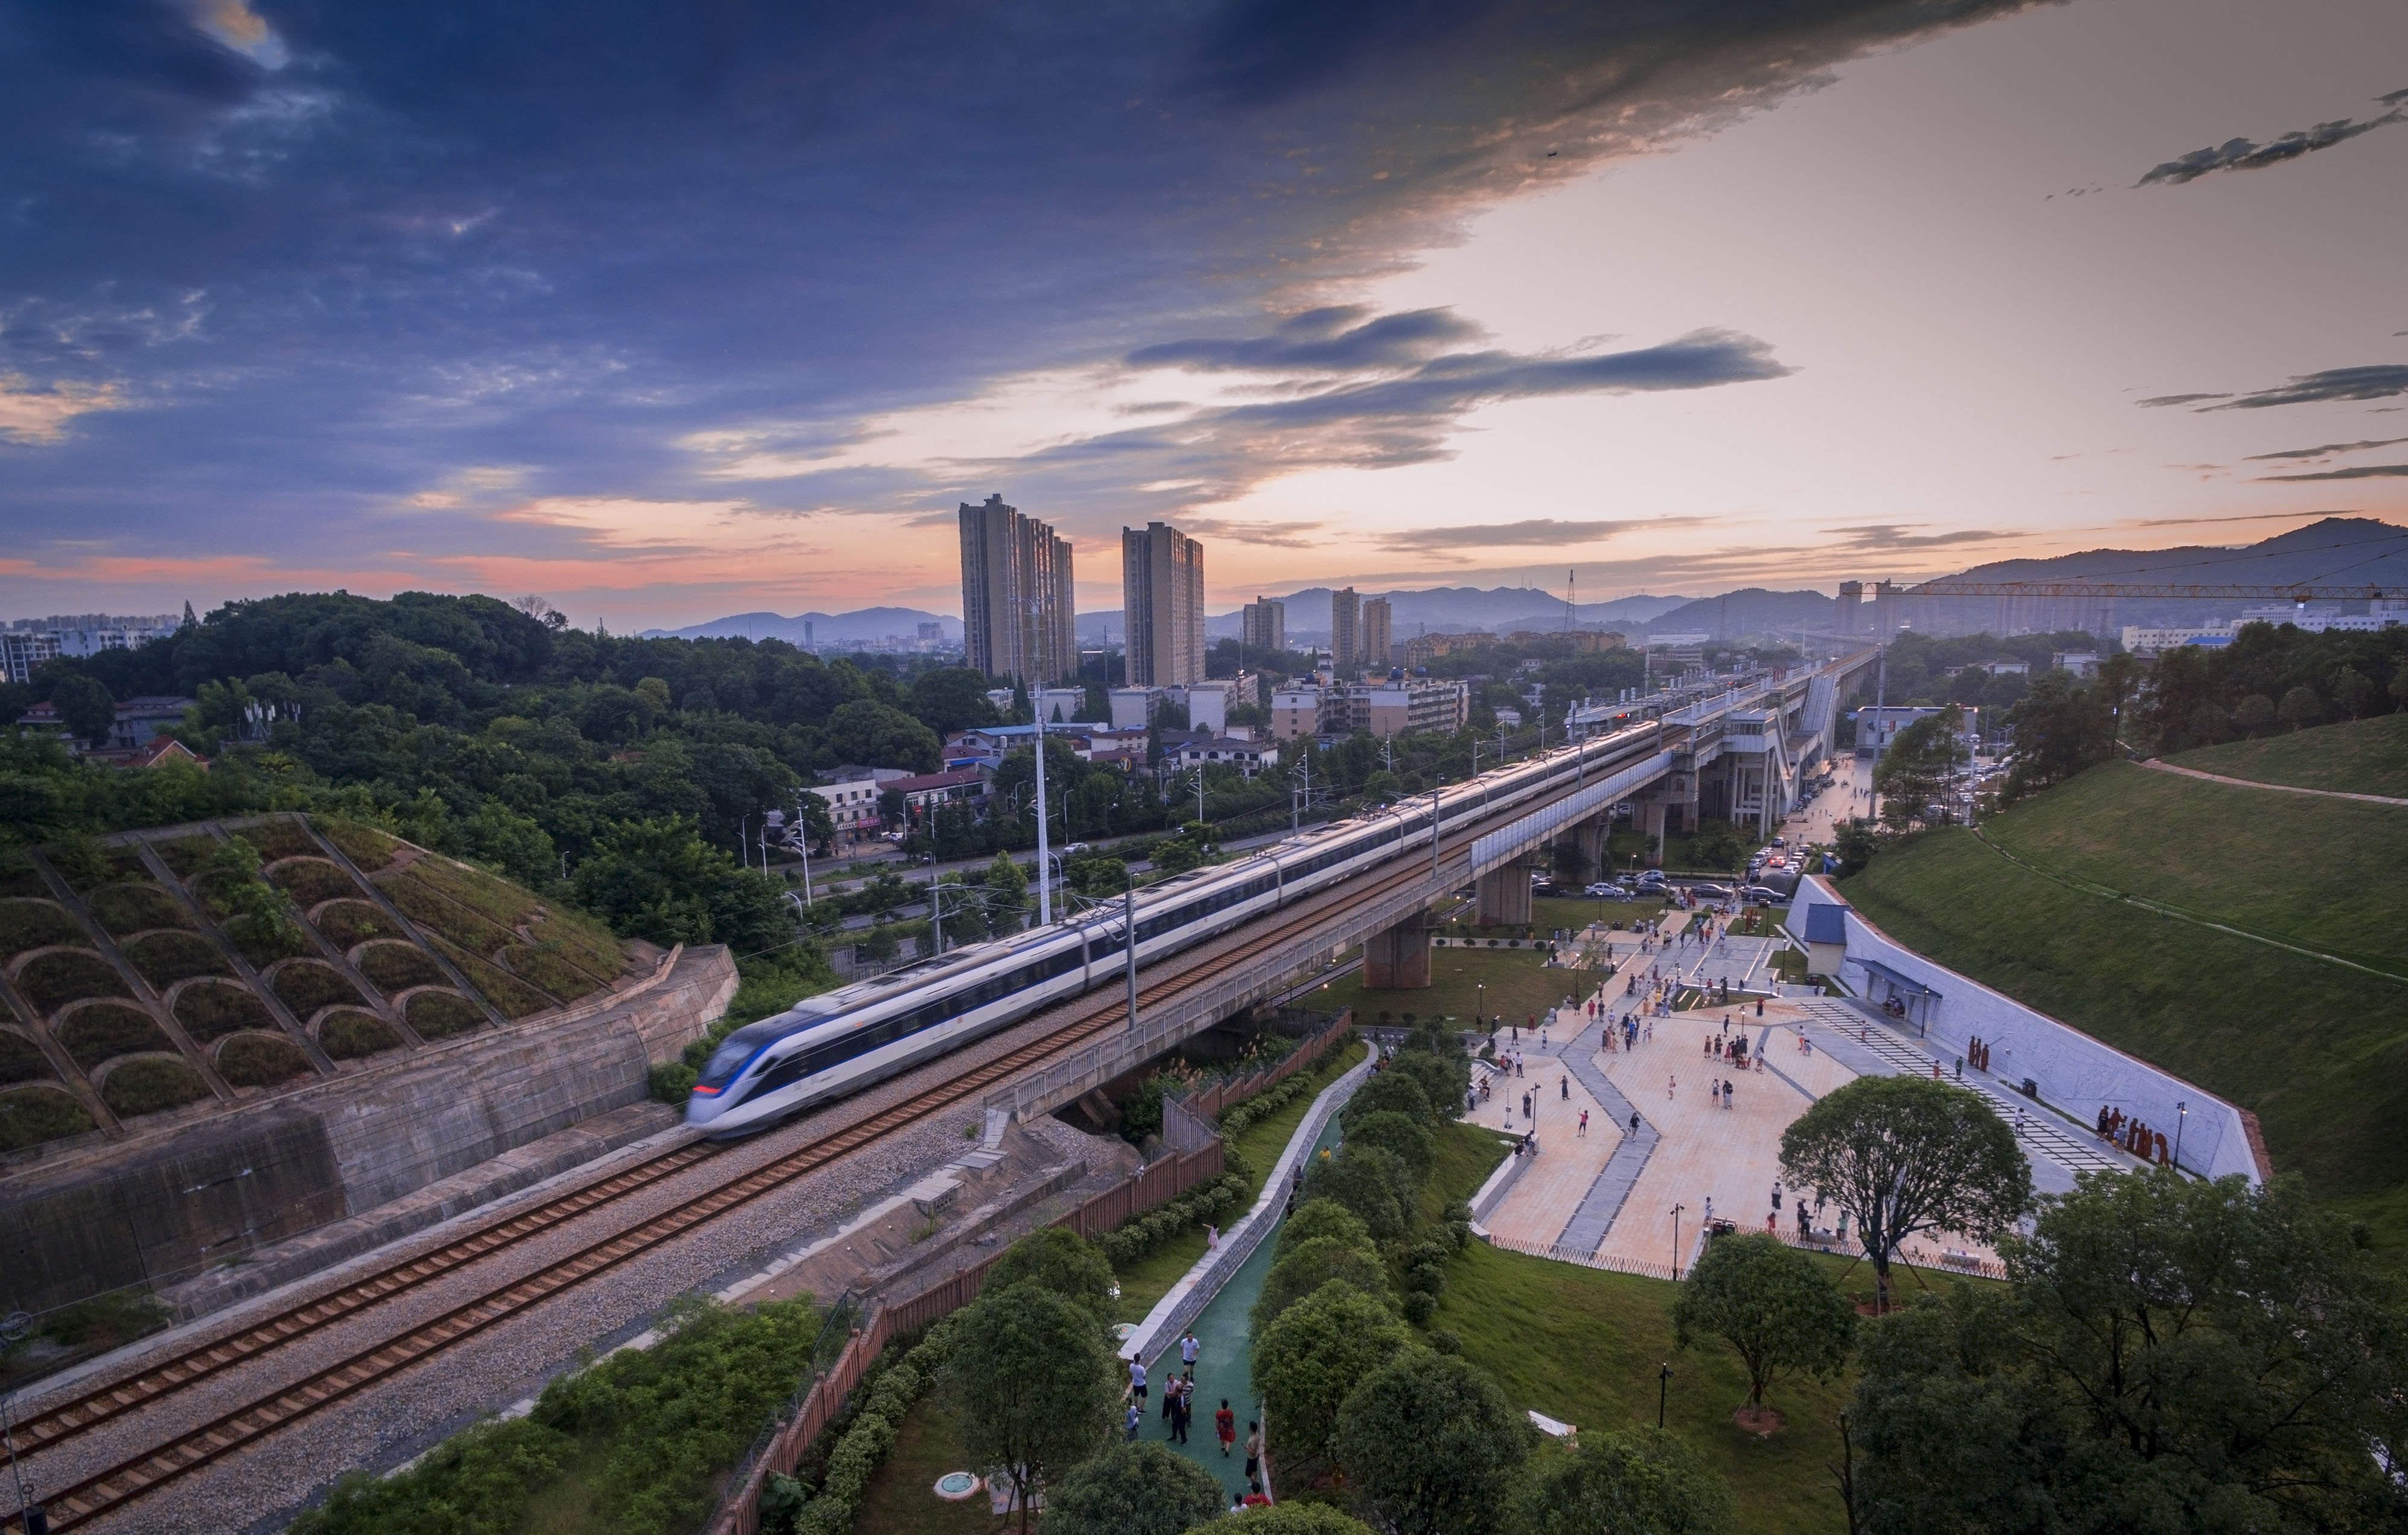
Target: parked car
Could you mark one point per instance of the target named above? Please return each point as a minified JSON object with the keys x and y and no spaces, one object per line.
{"x":1610,"y":892}
{"x":1712,"y":892}
{"x":1757,"y":894}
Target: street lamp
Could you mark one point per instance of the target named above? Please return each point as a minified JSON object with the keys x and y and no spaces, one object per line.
{"x":1663,"y":1389}
{"x":2182,"y":1117}
{"x":1676,"y":1239}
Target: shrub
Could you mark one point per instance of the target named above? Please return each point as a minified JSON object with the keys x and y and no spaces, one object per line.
{"x":21,"y":1059}
{"x":309,"y":880}
{"x":349,"y":923}
{"x":305,"y":985}
{"x":261,"y":1060}
{"x":50,"y":982}
{"x":1213,"y":1201}
{"x":347,"y":1035}
{"x":210,"y":1009}
{"x":1307,"y":1266}
{"x":863,"y":1445}
{"x":107,"y":1030}
{"x":440,"y":1014}
{"x":479,"y":1479}
{"x":36,"y":925}
{"x":31,"y":1115}
{"x":1374,"y":1184}
{"x":1411,"y":1141}
{"x":166,"y":958}
{"x":1317,"y":1218}
{"x":1389,"y":1091}
{"x":398,"y":966}
{"x":148,"y":1084}
{"x":124,"y":908}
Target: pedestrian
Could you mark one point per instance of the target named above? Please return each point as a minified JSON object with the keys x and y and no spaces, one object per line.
{"x":1584,"y":1122}
{"x":1136,"y":1416}
{"x":1254,"y":1455}
{"x":1709,"y":1210}
{"x":1189,"y":1348}
{"x":1634,"y":1122}
{"x":1525,"y":1106}
{"x":1225,"y":1424}
{"x":1136,"y":1381}
{"x":1170,"y":1405}
{"x":1567,"y":1085}
{"x":1776,"y":1196}
{"x":1179,"y":1419}
{"x":1802,"y":1230}
{"x":1671,"y":1083}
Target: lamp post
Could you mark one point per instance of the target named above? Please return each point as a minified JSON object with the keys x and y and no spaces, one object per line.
{"x":2182,"y":1117}
{"x":1676,"y":1239}
{"x":1044,"y":845}
{"x":1479,"y":1003}
{"x":1663,"y":1390}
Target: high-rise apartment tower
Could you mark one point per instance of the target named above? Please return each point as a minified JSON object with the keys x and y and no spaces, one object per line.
{"x":1162,"y":593}
{"x":1373,"y":635}
{"x":1016,"y":604}
{"x":1345,"y":630}
{"x":1262,"y":627}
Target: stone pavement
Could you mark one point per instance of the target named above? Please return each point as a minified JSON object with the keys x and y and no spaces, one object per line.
{"x":1550,"y":1190}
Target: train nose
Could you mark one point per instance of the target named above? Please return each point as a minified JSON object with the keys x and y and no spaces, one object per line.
{"x":702,"y":1110}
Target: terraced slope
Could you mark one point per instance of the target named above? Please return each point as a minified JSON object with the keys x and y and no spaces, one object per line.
{"x":2268,"y":965}
{"x":147,"y":981}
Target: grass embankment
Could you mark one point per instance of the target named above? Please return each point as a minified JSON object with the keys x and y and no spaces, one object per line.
{"x":2361,"y":758}
{"x":1515,"y":982}
{"x":1145,"y":1280}
{"x":2318,"y":1051}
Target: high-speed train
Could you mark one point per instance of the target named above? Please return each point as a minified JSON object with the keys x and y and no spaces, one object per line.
{"x":841,"y":1042}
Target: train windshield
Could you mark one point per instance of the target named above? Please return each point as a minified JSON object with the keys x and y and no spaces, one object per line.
{"x":736,"y":1049}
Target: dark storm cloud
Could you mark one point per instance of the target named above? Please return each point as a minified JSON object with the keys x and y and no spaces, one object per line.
{"x":302,"y":272}
{"x":1537,"y":532}
{"x":2327,"y":449}
{"x":2363,"y":471}
{"x":2244,"y":155}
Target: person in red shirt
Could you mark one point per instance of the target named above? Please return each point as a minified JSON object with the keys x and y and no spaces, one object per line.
{"x":1225,"y":1423}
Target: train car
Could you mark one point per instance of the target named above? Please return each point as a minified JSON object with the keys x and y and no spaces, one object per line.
{"x":837,"y":1043}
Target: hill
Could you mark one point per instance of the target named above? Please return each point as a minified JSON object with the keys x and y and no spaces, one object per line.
{"x":138,"y":978}
{"x":2362,"y":756}
{"x":2267,"y":974}
{"x":860,"y":627}
{"x":1443,"y":610}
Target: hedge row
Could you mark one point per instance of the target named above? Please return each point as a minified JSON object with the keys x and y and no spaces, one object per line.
{"x":1210,"y":1202}
{"x":790,"y":1507}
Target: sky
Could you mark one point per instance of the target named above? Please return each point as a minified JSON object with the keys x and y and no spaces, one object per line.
{"x":668,"y":311}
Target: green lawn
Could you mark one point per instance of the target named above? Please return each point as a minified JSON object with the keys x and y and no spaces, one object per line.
{"x":2362,"y":756}
{"x":2318,"y":1051}
{"x":1517,"y":982}
{"x":901,"y":1497}
{"x":1583,"y":1345}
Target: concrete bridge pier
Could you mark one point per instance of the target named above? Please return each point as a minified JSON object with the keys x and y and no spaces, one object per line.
{"x":1593,"y":834}
{"x":1398,"y":959}
{"x":1504,"y":894}
{"x":1651,"y":827}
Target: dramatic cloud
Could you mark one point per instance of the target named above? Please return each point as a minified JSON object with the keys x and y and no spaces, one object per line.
{"x":1538,"y":532}
{"x":2183,"y":399}
{"x":2363,"y":471}
{"x":2328,"y":448}
{"x":318,"y":259}
{"x":2244,"y":154}
{"x":1880,"y":537}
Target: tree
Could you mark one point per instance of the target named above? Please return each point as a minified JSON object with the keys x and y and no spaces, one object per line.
{"x":1372,"y":1182}
{"x":1309,"y":1265}
{"x":1413,"y":1145}
{"x":1443,"y":1079}
{"x":1772,"y":1303}
{"x":2301,"y":707}
{"x":948,"y":699}
{"x":2255,"y":715}
{"x":1907,"y":1155}
{"x":1855,"y":845}
{"x":1006,"y":893}
{"x":1034,"y":1385}
{"x":2173,"y":1354}
{"x":1317,"y":1218}
{"x":85,"y":707}
{"x":1638,"y":1481}
{"x":2060,"y":728}
{"x":1286,"y":1519}
{"x":1718,"y":845}
{"x":1917,"y":771}
{"x":1142,"y":1489}
{"x":878,"y":735}
{"x":2352,"y":691}
{"x":1058,"y":1261}
{"x":657,"y":879}
{"x":2399,"y":688}
{"x":1429,"y":1443}
{"x":1312,"y":1355}
{"x":1389,"y":1092}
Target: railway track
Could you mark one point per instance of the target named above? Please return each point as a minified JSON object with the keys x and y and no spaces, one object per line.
{"x":93,"y":1496}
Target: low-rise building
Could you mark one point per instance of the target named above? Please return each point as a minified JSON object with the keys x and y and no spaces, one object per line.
{"x":1403,"y":704}
{"x":852,"y":794}
{"x":1208,"y":750}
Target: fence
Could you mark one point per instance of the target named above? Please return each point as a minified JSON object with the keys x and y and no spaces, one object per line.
{"x":1916,"y":1260}
{"x":807,"y":1415}
{"x":1210,"y":1102}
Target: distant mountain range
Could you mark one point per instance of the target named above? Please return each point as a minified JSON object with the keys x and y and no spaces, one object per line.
{"x":2337,"y":550}
{"x":864,"y":625}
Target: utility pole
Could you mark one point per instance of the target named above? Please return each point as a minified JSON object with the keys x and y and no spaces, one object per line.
{"x":1044,"y":843}
{"x":1128,"y":913}
{"x":804,"y":842}
{"x":1434,"y":810}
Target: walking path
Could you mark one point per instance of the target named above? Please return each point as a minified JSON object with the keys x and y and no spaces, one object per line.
{"x":2155,"y":766}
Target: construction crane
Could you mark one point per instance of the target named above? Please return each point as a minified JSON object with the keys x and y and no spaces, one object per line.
{"x":2204,"y":591}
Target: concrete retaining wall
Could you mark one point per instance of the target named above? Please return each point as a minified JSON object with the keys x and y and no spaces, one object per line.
{"x":163,"y":1207}
{"x":2075,"y":1072}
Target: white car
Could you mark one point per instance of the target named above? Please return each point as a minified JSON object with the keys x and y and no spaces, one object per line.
{"x":1608,"y":893}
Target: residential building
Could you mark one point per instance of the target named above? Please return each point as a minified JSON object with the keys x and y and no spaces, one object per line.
{"x":923,"y":792}
{"x":1058,"y":704}
{"x":1134,"y":708}
{"x":24,"y":652}
{"x":1372,"y":639}
{"x":1403,"y":704}
{"x":2080,"y":662}
{"x":1345,"y":631}
{"x":2150,"y":640}
{"x":1877,"y":726}
{"x":2006,"y":668}
{"x":851,"y":798}
{"x":1162,"y":597}
{"x":1421,"y":650}
{"x":1262,"y":626}
{"x":1201,"y":749}
{"x":1208,"y":706}
{"x":1295,"y":712}
{"x":1017,"y":612}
